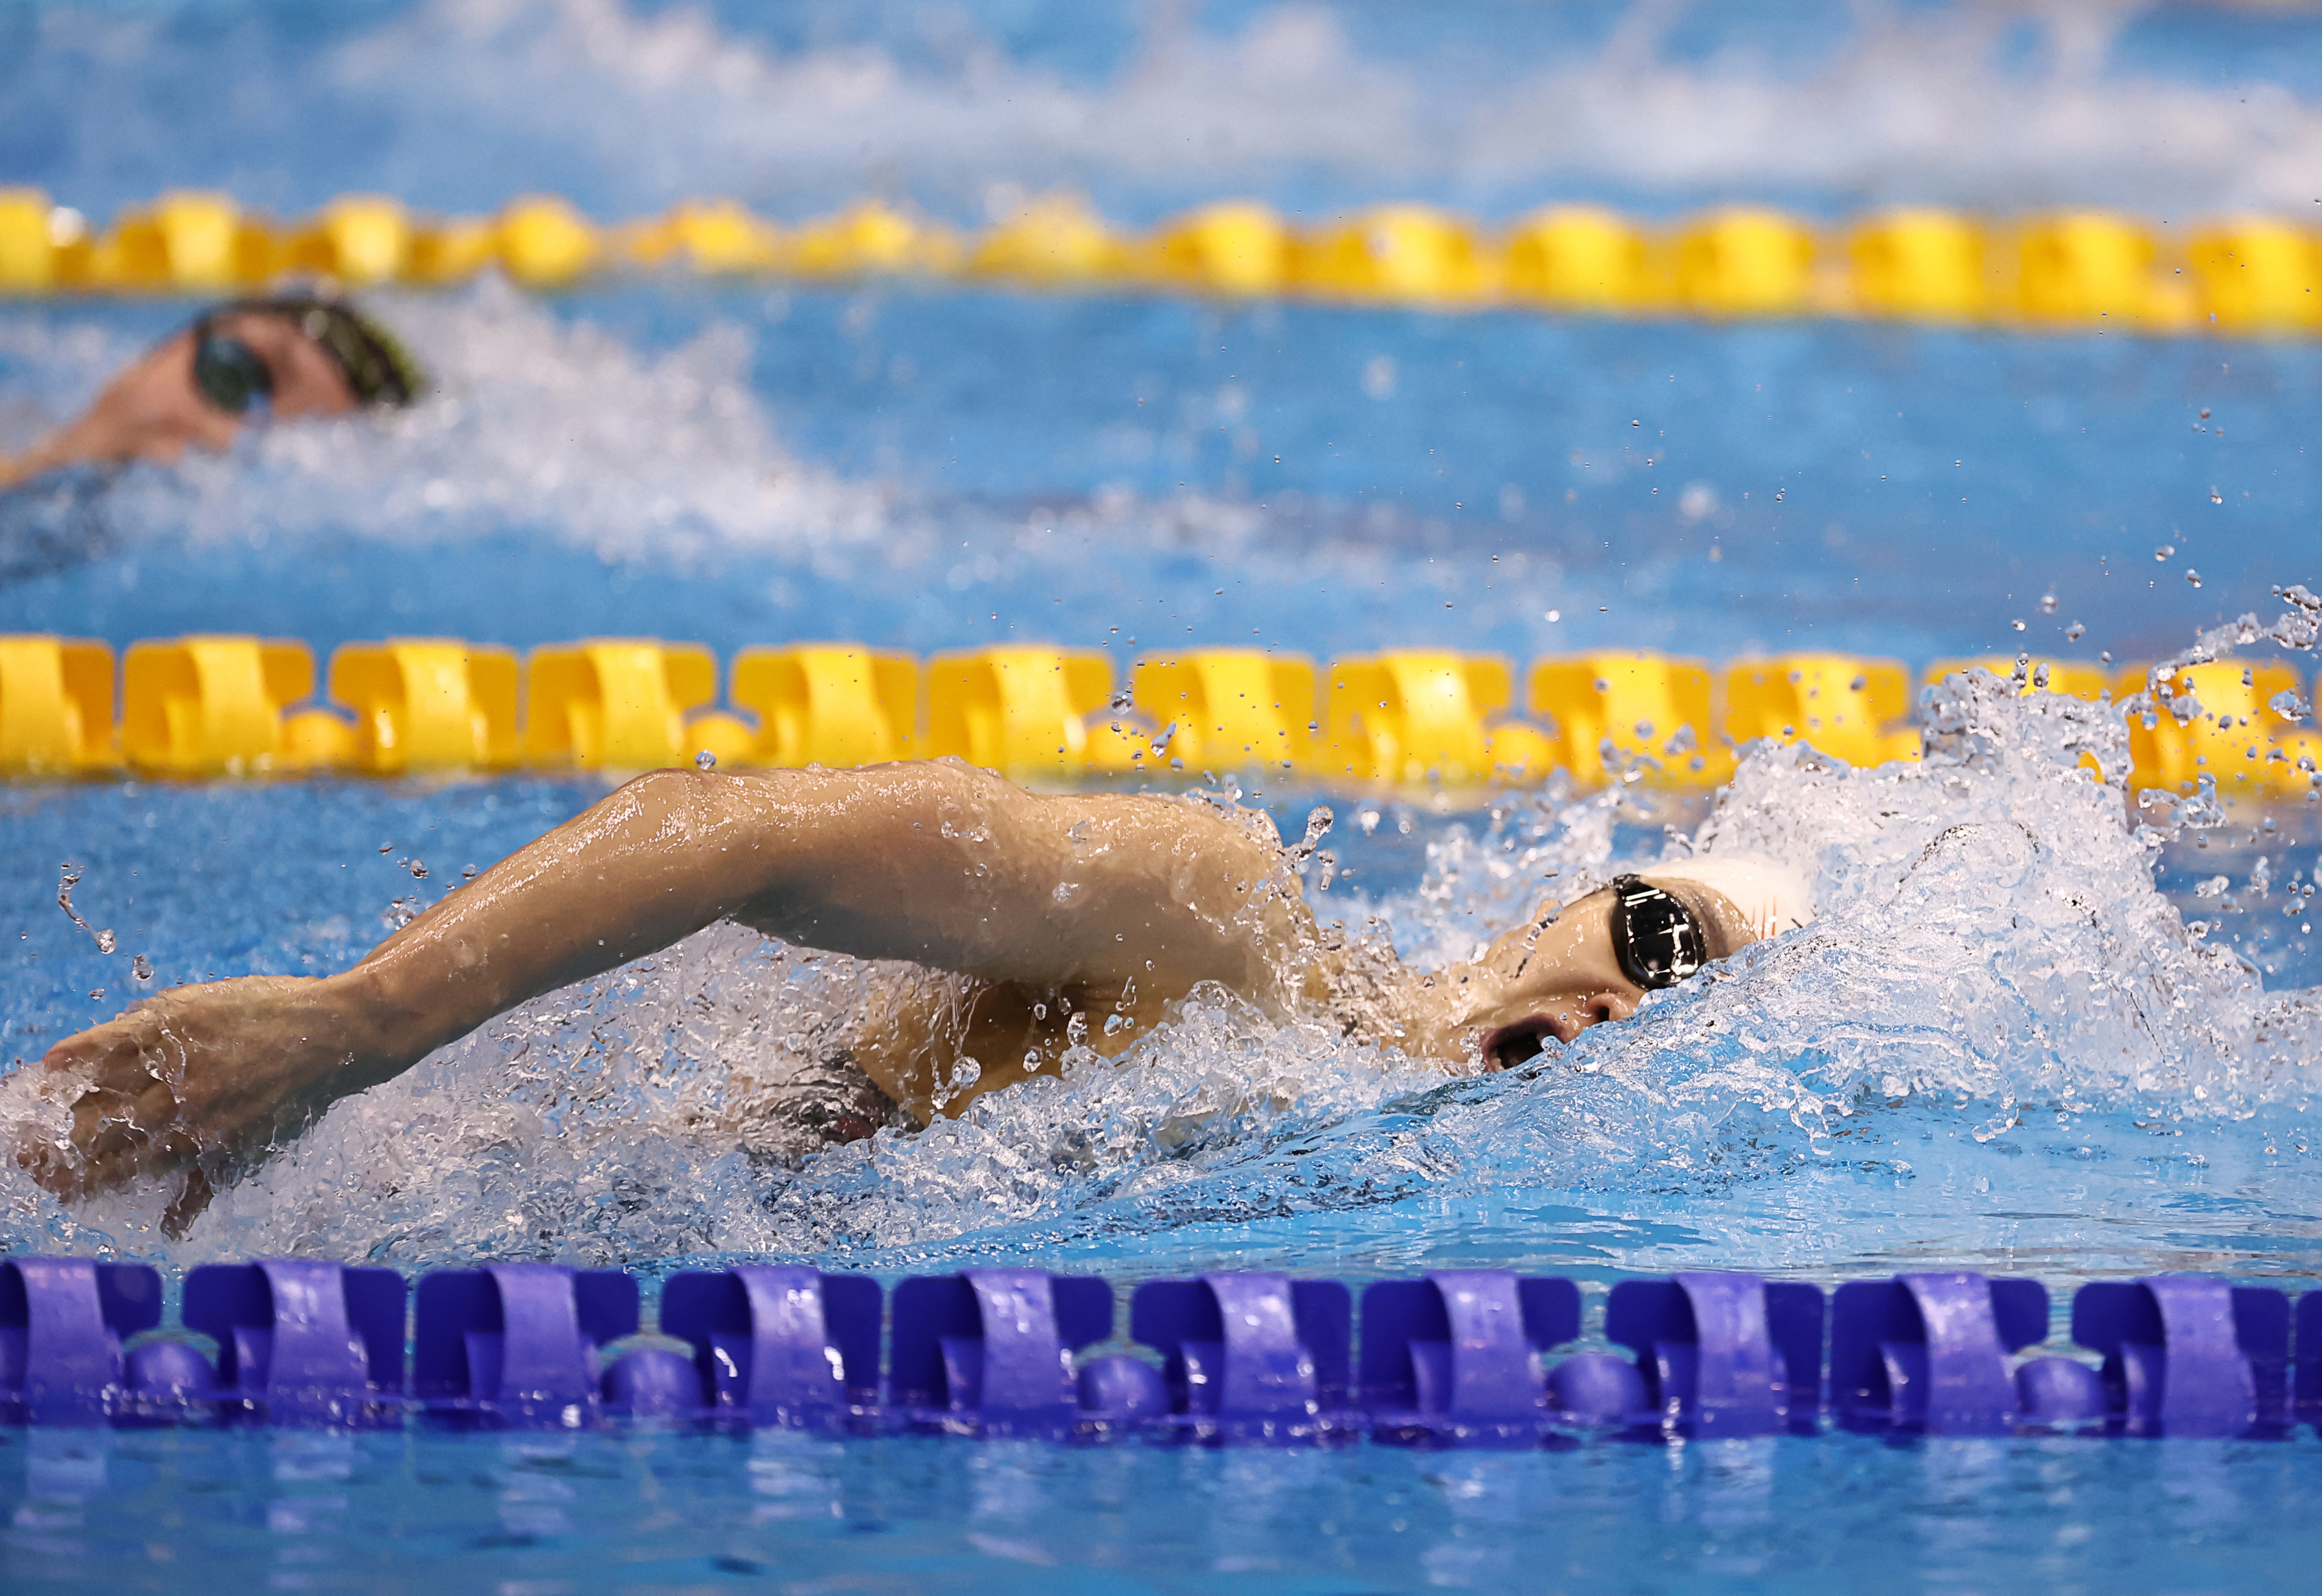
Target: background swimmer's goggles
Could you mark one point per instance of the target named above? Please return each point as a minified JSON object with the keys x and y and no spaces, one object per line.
{"x":1656,"y":938}
{"x":228,"y":371}
{"x":233,"y":375}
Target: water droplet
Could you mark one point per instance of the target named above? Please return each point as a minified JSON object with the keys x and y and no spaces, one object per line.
{"x":140,"y":967}
{"x":2217,"y":497}
{"x":387,"y":847}
{"x":417,"y":869}
{"x":68,"y":877}
{"x":2073,"y":633}
{"x":2048,"y":602}
{"x":2193,"y":576}
{"x":1554,"y":616}
{"x":2205,"y":416}
{"x":467,"y":872}
{"x":2017,"y":624}
{"x":707,"y":760}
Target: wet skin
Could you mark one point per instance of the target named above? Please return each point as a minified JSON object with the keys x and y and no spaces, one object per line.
{"x":1074,"y":919}
{"x":154,"y":411}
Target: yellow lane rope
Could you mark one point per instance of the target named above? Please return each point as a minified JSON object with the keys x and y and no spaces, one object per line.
{"x":239,"y":706}
{"x":2247,"y":276}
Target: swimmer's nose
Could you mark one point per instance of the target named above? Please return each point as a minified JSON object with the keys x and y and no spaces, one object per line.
{"x":1602,"y":1008}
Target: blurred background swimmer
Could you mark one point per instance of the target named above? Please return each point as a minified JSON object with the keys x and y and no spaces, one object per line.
{"x":289,"y":356}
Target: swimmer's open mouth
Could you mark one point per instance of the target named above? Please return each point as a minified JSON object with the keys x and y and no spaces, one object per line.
{"x":1511,"y":1045}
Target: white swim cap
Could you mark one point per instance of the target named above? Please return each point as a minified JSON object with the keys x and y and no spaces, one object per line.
{"x":1771,"y":897}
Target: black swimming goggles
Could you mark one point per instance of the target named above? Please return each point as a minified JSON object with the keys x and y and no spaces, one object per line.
{"x":234,"y":377}
{"x":230,"y":373}
{"x":1656,"y":938}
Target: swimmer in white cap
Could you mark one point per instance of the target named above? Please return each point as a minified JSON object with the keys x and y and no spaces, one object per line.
{"x":1026,"y":926}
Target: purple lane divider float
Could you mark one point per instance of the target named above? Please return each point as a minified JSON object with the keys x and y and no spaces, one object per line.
{"x":1250,"y":1357}
{"x":1454,"y":1359}
{"x":1723,"y":1355}
{"x":301,"y":1342}
{"x":2188,"y":1355}
{"x":1458,"y":1357}
{"x":777,"y":1345}
{"x":61,"y":1325}
{"x":2309,"y":1406}
{"x":517,"y":1344}
{"x":990,"y":1351}
{"x":1930,"y":1352}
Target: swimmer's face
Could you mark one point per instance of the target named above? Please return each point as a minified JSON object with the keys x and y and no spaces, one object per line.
{"x":156,"y":409}
{"x":1552,"y":978}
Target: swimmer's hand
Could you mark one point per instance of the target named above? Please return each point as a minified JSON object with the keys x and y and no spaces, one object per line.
{"x":199,"y":1083}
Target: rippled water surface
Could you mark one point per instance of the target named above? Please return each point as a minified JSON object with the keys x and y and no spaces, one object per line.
{"x":2023,"y":1036}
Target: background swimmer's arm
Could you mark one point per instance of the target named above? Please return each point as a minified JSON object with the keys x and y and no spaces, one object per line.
{"x":150,"y":411}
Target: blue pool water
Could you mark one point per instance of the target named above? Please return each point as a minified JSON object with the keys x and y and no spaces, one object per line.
{"x":2002,"y":1047}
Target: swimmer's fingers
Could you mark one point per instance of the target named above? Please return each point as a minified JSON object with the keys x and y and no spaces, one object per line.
{"x":109,"y":1114}
{"x":113,"y":1137}
{"x":125,"y":1055}
{"x":110,"y":1128}
{"x":192,"y":1198}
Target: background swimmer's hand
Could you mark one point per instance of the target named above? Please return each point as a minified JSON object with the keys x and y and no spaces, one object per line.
{"x":150,"y":411}
{"x":200,"y":1082}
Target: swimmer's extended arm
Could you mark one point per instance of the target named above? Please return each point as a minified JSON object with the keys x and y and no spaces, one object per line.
{"x":933,"y":862}
{"x":938,"y":863}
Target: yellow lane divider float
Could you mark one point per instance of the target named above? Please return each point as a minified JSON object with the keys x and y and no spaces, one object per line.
{"x":2238,"y":275}
{"x":239,"y":706}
